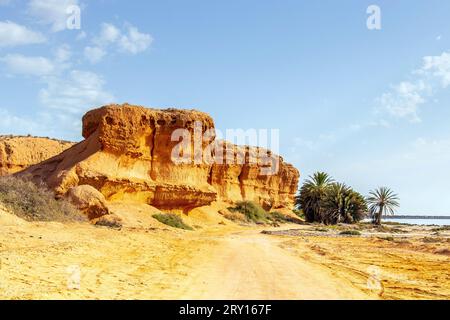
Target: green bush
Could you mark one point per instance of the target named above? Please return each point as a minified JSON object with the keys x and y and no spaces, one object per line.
{"x":234,"y":216}
{"x":443,"y":228}
{"x":283,"y":218}
{"x":109,"y":221}
{"x":350,"y":233}
{"x":35,"y":202}
{"x":299,"y":213}
{"x":389,"y":238}
{"x":172,"y":220}
{"x":252,"y":211}
{"x":279,"y":217}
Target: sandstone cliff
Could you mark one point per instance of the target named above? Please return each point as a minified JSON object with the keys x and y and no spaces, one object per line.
{"x":126,"y":155}
{"x":18,"y":153}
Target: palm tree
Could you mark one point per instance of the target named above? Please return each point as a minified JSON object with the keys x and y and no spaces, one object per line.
{"x":311,"y":195}
{"x":334,"y":203}
{"x":382,"y":201}
{"x":357,"y":206}
{"x":343,"y":204}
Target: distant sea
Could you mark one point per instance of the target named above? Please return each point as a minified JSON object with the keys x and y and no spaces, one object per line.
{"x":438,"y":222}
{"x":419,"y":221}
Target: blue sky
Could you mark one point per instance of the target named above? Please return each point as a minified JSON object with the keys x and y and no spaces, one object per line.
{"x":371,"y":107}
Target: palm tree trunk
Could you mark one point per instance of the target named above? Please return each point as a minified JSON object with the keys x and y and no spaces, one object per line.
{"x":379,"y":214}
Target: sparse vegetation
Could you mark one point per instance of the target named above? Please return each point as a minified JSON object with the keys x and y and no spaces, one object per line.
{"x":109,"y":222}
{"x":389,"y":238}
{"x":252,"y":211}
{"x":443,"y":228}
{"x":299,"y":213}
{"x":279,"y":217}
{"x":350,"y":233}
{"x":172,"y":220}
{"x":35,"y":202}
{"x":394,"y":223}
{"x":234,"y":216}
{"x":247,"y":211}
{"x":282,"y":218}
{"x":432,"y":239}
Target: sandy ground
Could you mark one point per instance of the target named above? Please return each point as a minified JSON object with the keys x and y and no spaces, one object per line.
{"x":220,"y":260}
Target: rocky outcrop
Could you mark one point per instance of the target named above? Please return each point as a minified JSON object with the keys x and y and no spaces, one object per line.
{"x":88,"y":200}
{"x":128,"y":154}
{"x":18,"y":153}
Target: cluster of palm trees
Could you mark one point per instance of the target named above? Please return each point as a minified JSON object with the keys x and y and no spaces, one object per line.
{"x":326,"y":201}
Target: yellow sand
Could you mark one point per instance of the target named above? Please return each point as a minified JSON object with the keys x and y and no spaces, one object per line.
{"x":219,"y":260}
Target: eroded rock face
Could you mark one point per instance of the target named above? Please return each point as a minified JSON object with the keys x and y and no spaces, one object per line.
{"x":88,"y":200}
{"x":127,"y":155}
{"x":18,"y":153}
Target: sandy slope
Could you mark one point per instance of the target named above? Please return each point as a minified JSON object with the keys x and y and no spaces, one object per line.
{"x":215,"y":262}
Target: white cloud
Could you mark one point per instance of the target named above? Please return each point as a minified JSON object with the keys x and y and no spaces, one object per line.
{"x":63,"y":53}
{"x":438,"y":67}
{"x":13,"y":34}
{"x":134,"y":41}
{"x":63,"y":101}
{"x":35,"y":66}
{"x":5,"y":2}
{"x":45,"y":124}
{"x":12,"y":123}
{"x":405,"y":99}
{"x":108,"y":34}
{"x":78,"y":92}
{"x":51,"y":12}
{"x":94,"y":54}
{"x":112,"y":38}
{"x":82,"y":35}
{"x":66,"y":94}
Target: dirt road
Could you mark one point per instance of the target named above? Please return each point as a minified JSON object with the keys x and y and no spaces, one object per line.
{"x":250,"y":265}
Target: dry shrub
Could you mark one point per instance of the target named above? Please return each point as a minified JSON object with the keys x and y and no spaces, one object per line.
{"x":109,"y":221}
{"x":233,"y":216}
{"x":350,"y":233}
{"x":431,"y":240}
{"x":253,"y":212}
{"x":34,"y":202}
{"x":172,"y":220}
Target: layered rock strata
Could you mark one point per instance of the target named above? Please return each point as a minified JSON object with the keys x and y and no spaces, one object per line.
{"x":128,"y":154}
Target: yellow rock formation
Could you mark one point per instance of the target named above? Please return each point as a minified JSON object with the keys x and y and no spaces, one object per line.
{"x":18,"y":153}
{"x":127,"y":155}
